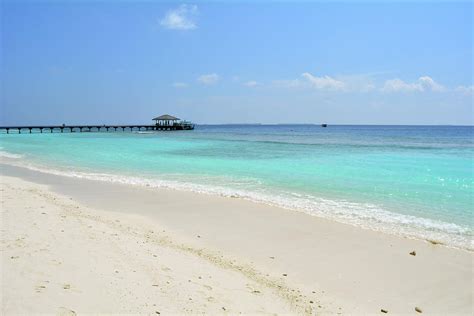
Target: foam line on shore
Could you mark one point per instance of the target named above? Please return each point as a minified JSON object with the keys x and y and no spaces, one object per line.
{"x":366,"y":215}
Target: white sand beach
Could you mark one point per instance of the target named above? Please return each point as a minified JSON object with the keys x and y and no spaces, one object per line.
{"x":243,"y":157}
{"x":79,"y":246}
{"x":60,"y":257}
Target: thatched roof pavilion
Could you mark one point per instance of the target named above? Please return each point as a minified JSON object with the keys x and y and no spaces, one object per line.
{"x":166,"y":120}
{"x":166,"y":117}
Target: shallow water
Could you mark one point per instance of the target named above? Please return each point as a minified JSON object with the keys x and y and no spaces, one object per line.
{"x":409,"y":180}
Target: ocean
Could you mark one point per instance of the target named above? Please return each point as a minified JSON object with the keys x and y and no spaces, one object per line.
{"x":414,"y":181}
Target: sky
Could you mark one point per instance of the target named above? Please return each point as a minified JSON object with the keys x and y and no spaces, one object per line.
{"x":81,"y":62}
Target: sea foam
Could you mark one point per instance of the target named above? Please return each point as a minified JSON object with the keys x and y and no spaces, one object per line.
{"x":4,"y":154}
{"x":364,"y":215}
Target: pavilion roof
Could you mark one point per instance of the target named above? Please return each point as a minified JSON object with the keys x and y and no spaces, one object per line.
{"x":166,"y":117}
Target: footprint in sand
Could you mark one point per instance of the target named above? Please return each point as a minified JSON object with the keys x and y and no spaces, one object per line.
{"x":56,"y":262}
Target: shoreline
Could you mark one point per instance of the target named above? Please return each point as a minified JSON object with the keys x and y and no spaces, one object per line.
{"x":345,"y":268}
{"x":384,"y":223}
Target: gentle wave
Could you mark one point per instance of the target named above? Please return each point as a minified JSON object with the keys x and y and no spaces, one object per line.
{"x":4,"y":154}
{"x":367,"y":216}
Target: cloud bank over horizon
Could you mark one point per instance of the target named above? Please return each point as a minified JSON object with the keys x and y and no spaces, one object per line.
{"x":217,"y":62}
{"x":361,"y":83}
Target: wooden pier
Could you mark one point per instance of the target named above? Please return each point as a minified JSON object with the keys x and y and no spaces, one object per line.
{"x":162,"y":123}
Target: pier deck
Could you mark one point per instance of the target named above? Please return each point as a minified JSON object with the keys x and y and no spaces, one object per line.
{"x":95,"y":128}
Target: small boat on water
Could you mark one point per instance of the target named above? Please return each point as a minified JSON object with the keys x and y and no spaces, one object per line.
{"x":324,"y":125}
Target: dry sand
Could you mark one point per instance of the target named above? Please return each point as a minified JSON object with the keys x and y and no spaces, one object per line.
{"x":116,"y":248}
{"x":60,"y":257}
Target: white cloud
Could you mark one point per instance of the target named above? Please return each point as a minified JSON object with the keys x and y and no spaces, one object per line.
{"x":364,"y":83}
{"x":357,"y":83}
{"x":423,"y":83}
{"x":209,"y":79}
{"x":395,"y":85}
{"x":429,"y":83}
{"x":181,"y":18}
{"x":180,"y":85}
{"x":323,"y":83}
{"x":251,"y":84}
{"x":465,"y":89}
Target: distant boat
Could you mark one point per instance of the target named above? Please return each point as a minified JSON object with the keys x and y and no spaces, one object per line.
{"x":324,"y":125}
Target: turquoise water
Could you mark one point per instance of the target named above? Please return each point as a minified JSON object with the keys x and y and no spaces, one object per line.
{"x":409,"y":180}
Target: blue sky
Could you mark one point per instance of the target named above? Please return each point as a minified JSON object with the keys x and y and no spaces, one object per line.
{"x":260,"y":62}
